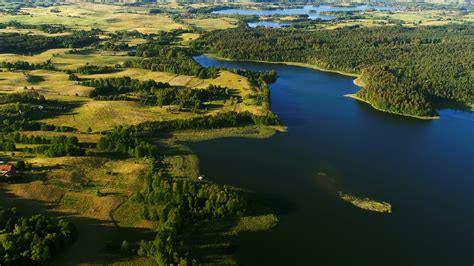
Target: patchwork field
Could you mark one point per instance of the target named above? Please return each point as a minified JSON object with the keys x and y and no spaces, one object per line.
{"x":106,"y":17}
{"x":209,"y":24}
{"x":57,"y":125}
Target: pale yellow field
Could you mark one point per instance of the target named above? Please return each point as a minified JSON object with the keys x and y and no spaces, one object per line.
{"x":73,"y":61}
{"x":213,"y":23}
{"x":426,"y":18}
{"x":186,"y":38}
{"x":70,"y":190}
{"x":228,"y":79}
{"x":106,"y":17}
{"x":33,"y":32}
{"x":104,"y":115}
{"x":38,"y":58}
{"x":54,"y":82}
{"x":136,"y":41}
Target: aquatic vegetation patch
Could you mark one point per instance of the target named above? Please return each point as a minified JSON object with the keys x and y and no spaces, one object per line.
{"x":366,"y":203}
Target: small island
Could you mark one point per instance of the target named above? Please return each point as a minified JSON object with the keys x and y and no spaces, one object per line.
{"x":366,"y":203}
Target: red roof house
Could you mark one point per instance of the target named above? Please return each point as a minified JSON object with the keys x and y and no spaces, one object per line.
{"x":7,"y":170}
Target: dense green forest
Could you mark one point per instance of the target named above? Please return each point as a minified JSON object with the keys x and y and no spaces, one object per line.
{"x":220,"y":120}
{"x":91,"y":69}
{"x":59,"y":146}
{"x":31,"y":240}
{"x":157,"y":57}
{"x":27,"y":44}
{"x":406,"y":70}
{"x":48,"y":28}
{"x":112,"y":86}
{"x":24,"y":65}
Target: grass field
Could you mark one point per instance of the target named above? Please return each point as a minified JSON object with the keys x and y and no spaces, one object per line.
{"x":73,"y":61}
{"x":425,"y":18}
{"x":209,"y":24}
{"x":38,"y":58}
{"x":93,"y":191}
{"x":53,"y":82}
{"x":56,"y":85}
{"x":403,"y":17}
{"x":66,"y":186}
{"x":106,"y":17}
{"x":32,"y":32}
{"x":187,"y":38}
{"x":104,"y":115}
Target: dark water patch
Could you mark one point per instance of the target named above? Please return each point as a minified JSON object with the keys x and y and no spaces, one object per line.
{"x":423,"y":168}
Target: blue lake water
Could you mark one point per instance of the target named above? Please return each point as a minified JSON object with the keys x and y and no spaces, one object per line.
{"x":267,"y":24}
{"x":313,"y":12}
{"x":425,"y":169}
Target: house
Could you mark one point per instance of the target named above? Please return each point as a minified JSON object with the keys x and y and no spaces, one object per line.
{"x":7,"y":170}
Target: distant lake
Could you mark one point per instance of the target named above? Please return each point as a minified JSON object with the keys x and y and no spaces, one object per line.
{"x":313,"y":12}
{"x":267,"y":24}
{"x":425,"y":169}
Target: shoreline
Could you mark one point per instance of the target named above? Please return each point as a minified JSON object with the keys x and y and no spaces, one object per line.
{"x":357,"y":81}
{"x":355,"y":97}
{"x":288,"y":64}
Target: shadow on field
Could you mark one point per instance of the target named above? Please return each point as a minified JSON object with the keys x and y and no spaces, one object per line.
{"x":208,"y":239}
{"x":52,"y":109}
{"x":98,"y":242}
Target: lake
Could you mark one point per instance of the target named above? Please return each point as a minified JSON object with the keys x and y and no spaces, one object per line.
{"x":424,"y":169}
{"x":267,"y":24}
{"x":313,"y":12}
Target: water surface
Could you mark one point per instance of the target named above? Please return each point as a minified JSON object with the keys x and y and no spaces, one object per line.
{"x":267,"y":24}
{"x":313,"y":12}
{"x":423,"y":168}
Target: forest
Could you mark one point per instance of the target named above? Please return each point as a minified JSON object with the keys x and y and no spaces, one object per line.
{"x":32,"y":240}
{"x":48,"y":28}
{"x":157,"y":57}
{"x":24,"y":65}
{"x":173,"y":201}
{"x":220,"y":120}
{"x":92,"y":69}
{"x":111,"y":86}
{"x":382,"y":55}
{"x":28,"y":44}
{"x":59,"y":146}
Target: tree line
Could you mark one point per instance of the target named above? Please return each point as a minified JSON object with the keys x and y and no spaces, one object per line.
{"x":407,"y":69}
{"x":92,"y":69}
{"x":19,"y":110}
{"x":177,"y":203}
{"x":126,"y":141}
{"x":22,"y":97}
{"x":158,"y":57}
{"x":48,"y":28}
{"x":121,"y":85}
{"x":154,"y":93}
{"x":24,"y":65}
{"x":220,"y":120}
{"x":59,"y":146}
{"x":29,"y":44}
